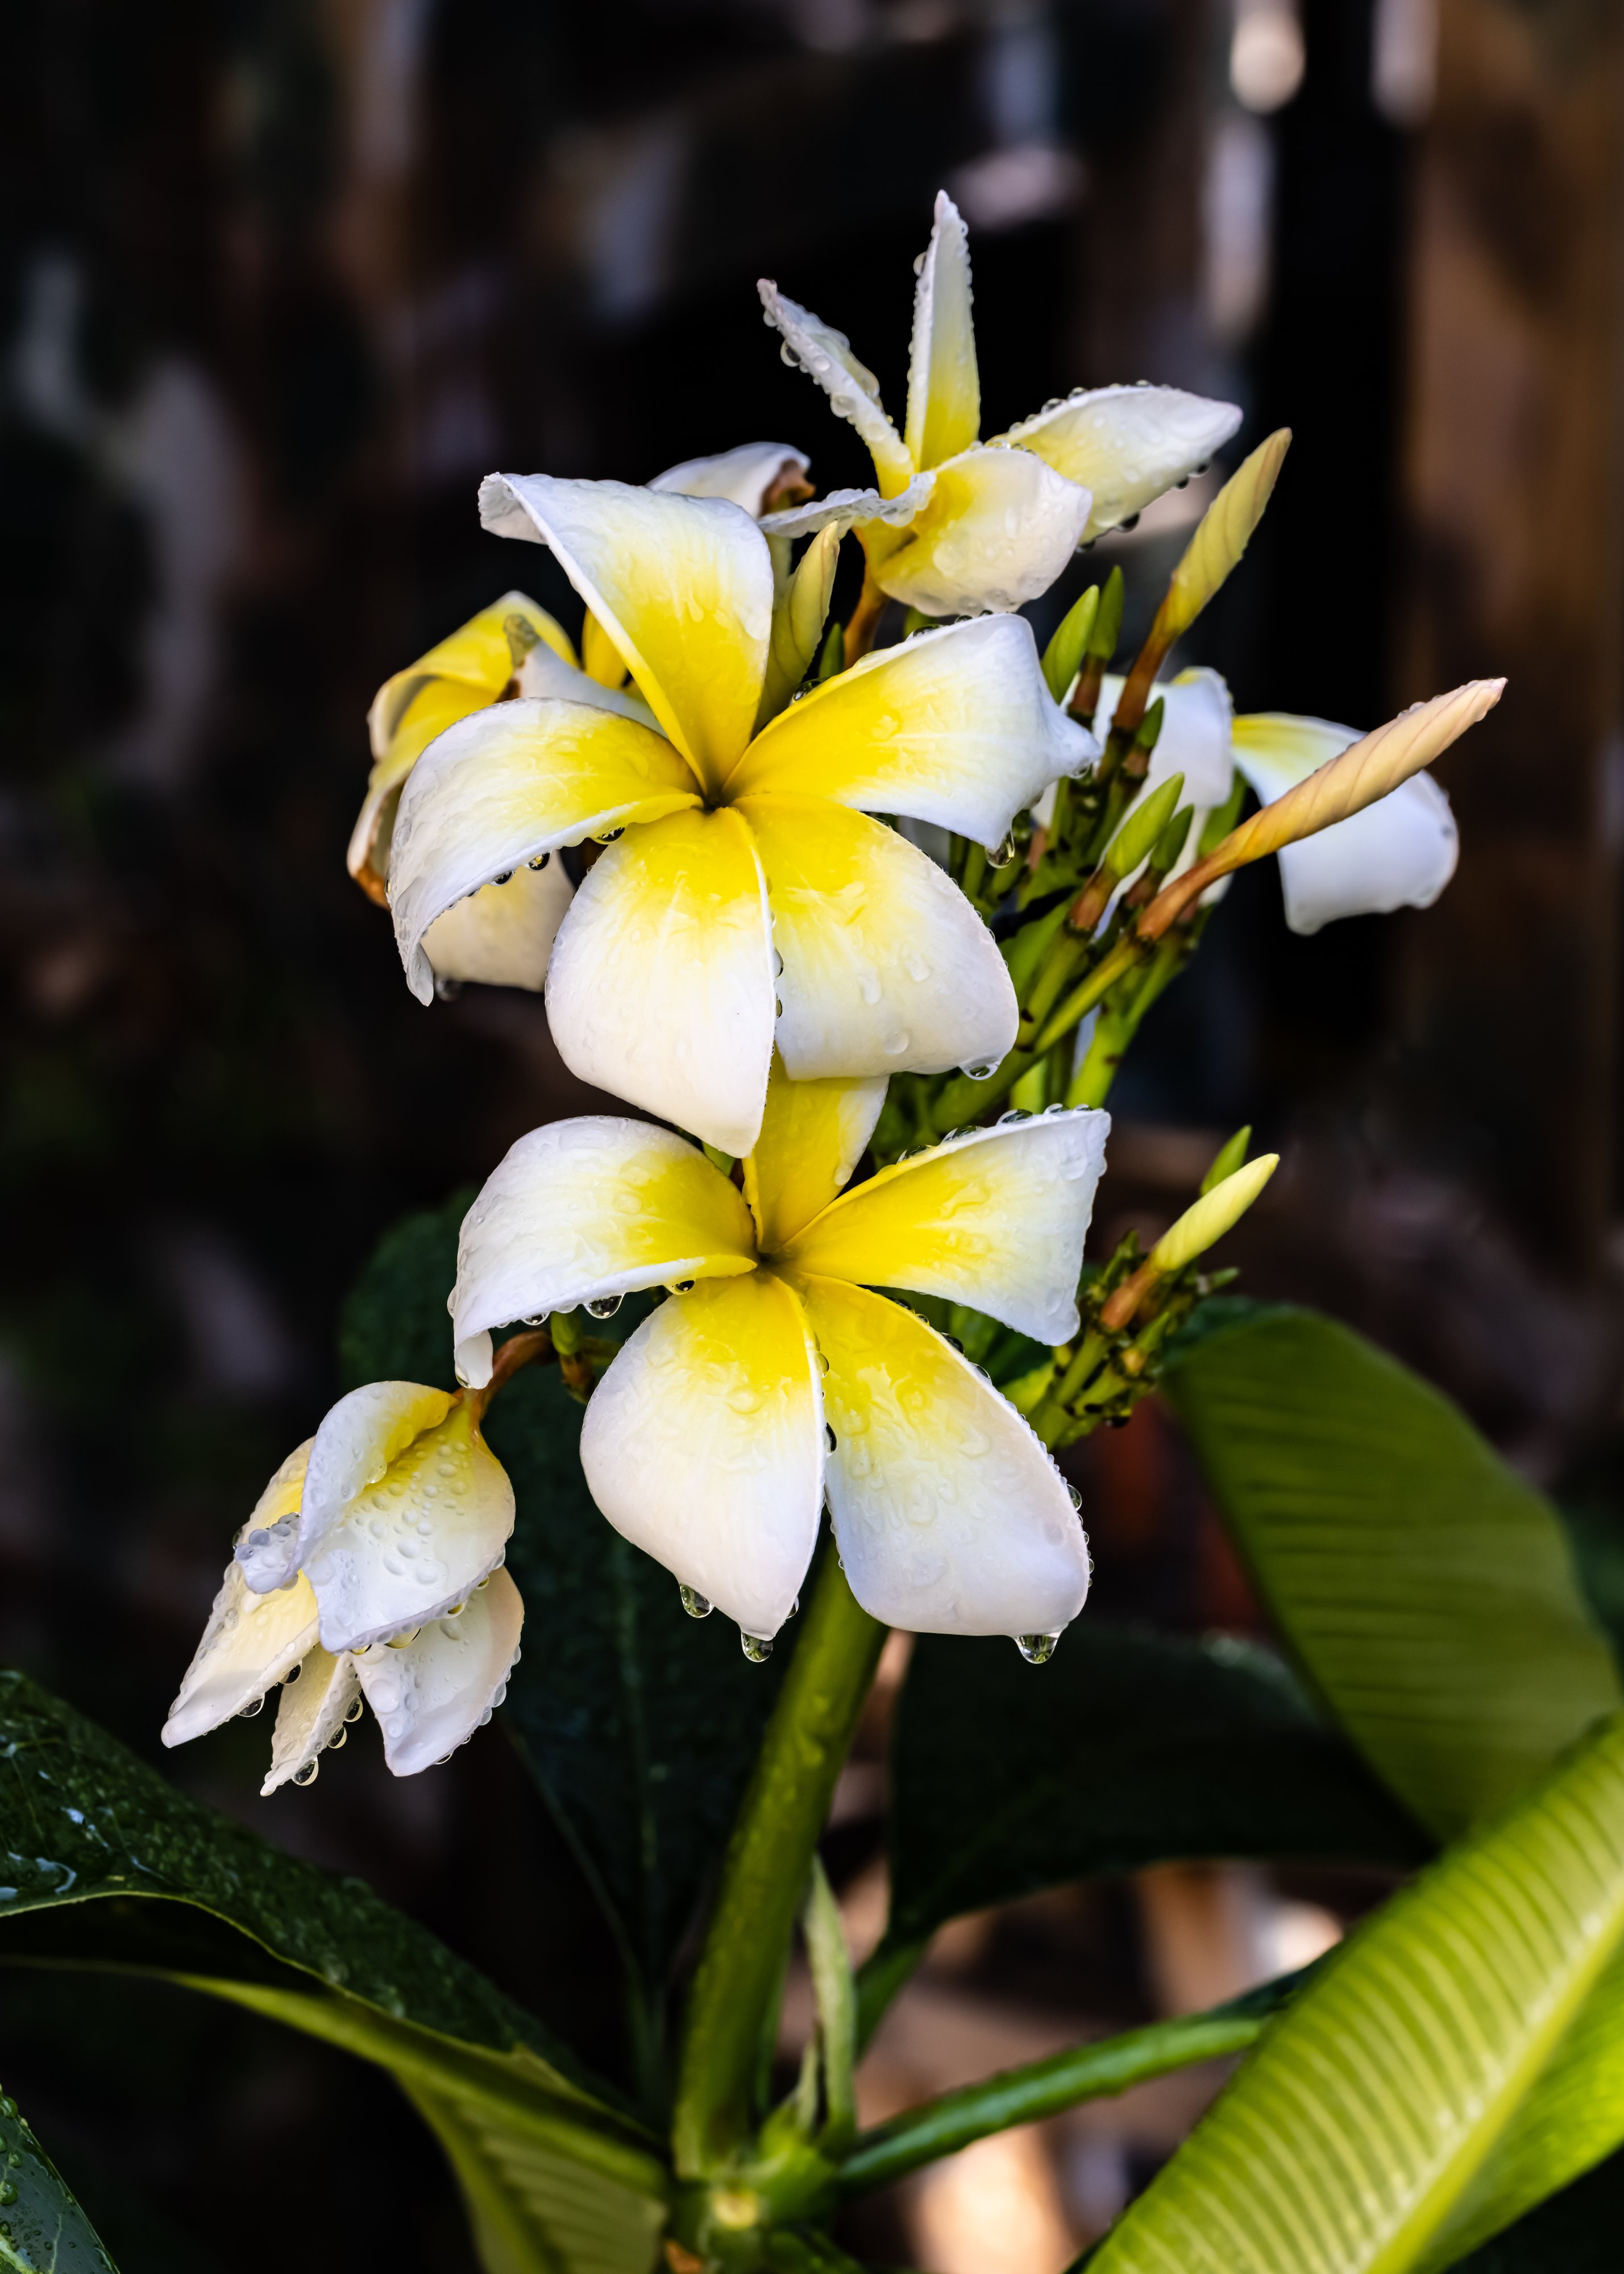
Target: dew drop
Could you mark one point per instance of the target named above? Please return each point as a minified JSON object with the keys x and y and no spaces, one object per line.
{"x":756,"y":1648}
{"x":696,"y":1605}
{"x":982,"y":1069}
{"x":604,"y":1306}
{"x":607,"y":837}
{"x":1077,"y":1499}
{"x":505,"y":878}
{"x":355,"y":1710}
{"x":1000,"y":856}
{"x":340,"y":1736}
{"x":541,"y":860}
{"x":1036,"y":1649}
{"x":830,"y":1438}
{"x":254,"y":1706}
{"x":447,"y":989}
{"x":308,"y":1773}
{"x":8,"y":2192}
{"x":682,"y":1287}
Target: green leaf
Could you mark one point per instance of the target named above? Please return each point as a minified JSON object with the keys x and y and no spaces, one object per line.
{"x":1576,"y":2231}
{"x":1429,"y":1593}
{"x":639,"y":1723}
{"x":1347,"y":2139}
{"x":1127,"y":1747}
{"x":42,"y":2230}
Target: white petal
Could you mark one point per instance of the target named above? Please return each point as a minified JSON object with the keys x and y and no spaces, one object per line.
{"x":357,"y":1440}
{"x":944,"y":393}
{"x":543,"y":673}
{"x":999,"y":527}
{"x":431,"y":1694}
{"x":1127,"y":444}
{"x":887,"y":968}
{"x":996,"y":1218}
{"x":1194,"y":741}
{"x":743,"y":476}
{"x":950,"y":1516}
{"x":313,"y":1709}
{"x":407,"y":1549}
{"x":267,"y":1550}
{"x":852,"y":509}
{"x":502,"y":935}
{"x":852,"y":389}
{"x":660,"y":989}
{"x":586,"y":1209}
{"x":704,"y":1444}
{"x":249,"y":1644}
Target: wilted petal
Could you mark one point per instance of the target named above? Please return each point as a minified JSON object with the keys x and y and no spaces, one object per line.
{"x":313,"y":1709}
{"x":430,"y":1693}
{"x":683,"y":587}
{"x":851,"y":509}
{"x":1400,"y":852}
{"x":813,"y":1135}
{"x":955,"y":727}
{"x":249,"y":1644}
{"x":887,"y":968}
{"x":704,"y":1444}
{"x":502,"y":935}
{"x":945,"y":388}
{"x":745,"y":477}
{"x":586,"y":1210}
{"x":950,"y":1516}
{"x":1126,"y":444}
{"x":996,"y":1218}
{"x":998,"y":529}
{"x":851,"y":386}
{"x":409,"y":1546}
{"x":505,"y":786}
{"x":661,"y":986}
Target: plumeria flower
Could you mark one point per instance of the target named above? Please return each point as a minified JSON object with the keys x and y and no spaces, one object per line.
{"x":370,"y":1569}
{"x":987,"y":526}
{"x":773,"y":1376}
{"x":743,"y":895}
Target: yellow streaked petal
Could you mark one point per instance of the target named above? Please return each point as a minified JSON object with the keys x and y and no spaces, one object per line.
{"x":813,"y":1134}
{"x":249,"y":1644}
{"x":887,"y":968}
{"x":502,"y":935}
{"x":945,"y":388}
{"x":951,"y":1517}
{"x":996,"y":1218}
{"x":998,"y":528}
{"x":661,"y":983}
{"x":682,"y":586}
{"x":312,"y":1711}
{"x":590,"y":1207}
{"x":956,"y":727}
{"x":477,"y":656}
{"x":430,"y":1693}
{"x":1126,"y":444}
{"x":358,"y":1439}
{"x":704,"y":1444}
{"x":512,"y":783}
{"x":826,"y":356}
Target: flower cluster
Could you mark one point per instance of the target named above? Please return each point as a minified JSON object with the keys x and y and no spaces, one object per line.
{"x":864,"y":929}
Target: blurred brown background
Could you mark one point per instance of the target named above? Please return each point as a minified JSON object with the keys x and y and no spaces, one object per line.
{"x":279,"y":281}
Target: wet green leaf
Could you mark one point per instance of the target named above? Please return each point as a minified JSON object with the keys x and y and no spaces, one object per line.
{"x":42,"y":2230}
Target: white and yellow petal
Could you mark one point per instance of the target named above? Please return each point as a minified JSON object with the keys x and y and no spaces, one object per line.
{"x":359,"y":1437}
{"x":996,"y":1218}
{"x":955,"y":727}
{"x":406,"y":1548}
{"x":851,"y":386}
{"x":502,"y":935}
{"x":945,"y":388}
{"x":267,"y":1551}
{"x":703,"y":1445}
{"x":998,"y":529}
{"x":431,"y":1690}
{"x":660,"y":988}
{"x":1126,"y":444}
{"x":682,"y":586}
{"x":313,"y":1708}
{"x":813,"y":1136}
{"x":851,"y":509}
{"x":745,"y":477}
{"x":886,"y":967}
{"x":1400,"y":852}
{"x":507,"y":785}
{"x":414,"y":705}
{"x":950,"y":1516}
{"x":250,"y":1643}
{"x":543,"y":672}
{"x":584,"y":1210}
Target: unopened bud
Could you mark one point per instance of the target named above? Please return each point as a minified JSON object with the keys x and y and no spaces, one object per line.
{"x":1063,"y":658}
{"x":831,"y":656}
{"x":1223,"y":817}
{"x":1108,"y":624}
{"x":1133,"y":842}
{"x":1222,"y":537}
{"x":1228,"y":1159}
{"x":1217,"y":1211}
{"x":798,"y":620}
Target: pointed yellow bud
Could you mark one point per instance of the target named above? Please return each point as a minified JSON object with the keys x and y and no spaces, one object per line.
{"x":1231,"y":1158}
{"x":1216,"y":1212}
{"x":797,"y":619}
{"x":1224,"y":535}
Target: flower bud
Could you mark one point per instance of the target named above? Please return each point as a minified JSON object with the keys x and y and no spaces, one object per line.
{"x":1217,"y":1211}
{"x":1063,"y":658}
{"x":1226,"y":1162}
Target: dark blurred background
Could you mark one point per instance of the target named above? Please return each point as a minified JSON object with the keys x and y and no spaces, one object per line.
{"x":279,"y":281}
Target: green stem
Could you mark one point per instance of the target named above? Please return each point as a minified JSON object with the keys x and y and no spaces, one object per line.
{"x":1099,"y":983}
{"x":964,"y":1101}
{"x":765,"y":1872}
{"x":880,"y":1978}
{"x":1021,"y":2095}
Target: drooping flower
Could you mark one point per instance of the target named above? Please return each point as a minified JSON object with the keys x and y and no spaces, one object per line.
{"x":773,"y":1376}
{"x":371,"y":1569}
{"x":988,"y":525}
{"x":747,"y":896}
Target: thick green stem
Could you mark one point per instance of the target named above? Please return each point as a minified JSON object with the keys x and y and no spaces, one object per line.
{"x":1021,"y":2095}
{"x":764,"y":1874}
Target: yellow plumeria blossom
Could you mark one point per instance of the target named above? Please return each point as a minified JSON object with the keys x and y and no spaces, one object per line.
{"x":369,"y":1568}
{"x":1000,"y":520}
{"x":773,"y":1376}
{"x":746,"y":896}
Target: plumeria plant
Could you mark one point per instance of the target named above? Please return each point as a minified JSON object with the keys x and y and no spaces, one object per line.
{"x":857,"y":920}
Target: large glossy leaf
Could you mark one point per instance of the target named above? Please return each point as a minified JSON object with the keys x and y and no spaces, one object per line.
{"x":1127,"y":1747}
{"x":1428,"y":1592}
{"x":42,"y":2230}
{"x":639,"y":1723}
{"x":1355,"y":2128}
{"x":107,"y":1865}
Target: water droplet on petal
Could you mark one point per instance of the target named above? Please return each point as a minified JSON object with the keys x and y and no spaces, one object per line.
{"x":696,"y":1605}
{"x":308,"y":1773}
{"x":1077,"y":1499}
{"x":1036,"y":1649}
{"x":604,"y":1306}
{"x":830,"y":1438}
{"x":1000,"y":856}
{"x":982,"y":1069}
{"x":756,"y":1648}
{"x":254,"y":1706}
{"x":541,"y":860}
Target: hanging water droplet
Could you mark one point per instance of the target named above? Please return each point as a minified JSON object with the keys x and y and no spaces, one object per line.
{"x":1077,"y":1499}
{"x":696,"y":1605}
{"x":1036,"y":1649}
{"x":604,"y":1306}
{"x":355,"y":1710}
{"x":292,"y":1673}
{"x":682,"y":1287}
{"x":446,"y":990}
{"x":254,"y":1706}
{"x":756,"y":1648}
{"x":1000,"y":856}
{"x":830,"y":1438}
{"x":505,"y":878}
{"x":982,"y":1070}
{"x":794,"y":1606}
{"x":540,"y":1319}
{"x":339,"y":1737}
{"x":541,"y":860}
{"x":308,"y":1773}
{"x":607,"y":837}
